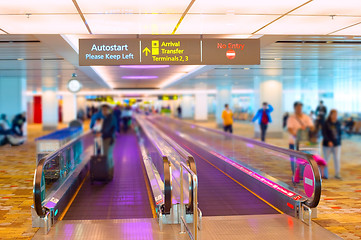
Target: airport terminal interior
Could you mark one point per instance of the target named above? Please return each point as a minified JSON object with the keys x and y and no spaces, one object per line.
{"x":187,"y":119}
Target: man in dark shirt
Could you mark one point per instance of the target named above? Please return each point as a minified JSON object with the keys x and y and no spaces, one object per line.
{"x":321,"y":112}
{"x":108,"y":135}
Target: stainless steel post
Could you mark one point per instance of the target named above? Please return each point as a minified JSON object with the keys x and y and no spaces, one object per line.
{"x":181,"y":200}
{"x":195,"y":206}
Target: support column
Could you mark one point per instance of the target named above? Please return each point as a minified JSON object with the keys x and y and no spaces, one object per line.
{"x":12,"y":97}
{"x":187,"y":106}
{"x":223,"y":96}
{"x":270,"y":91}
{"x":81,"y":103}
{"x":49,"y":102}
{"x":201,"y":107}
{"x":69,"y":107}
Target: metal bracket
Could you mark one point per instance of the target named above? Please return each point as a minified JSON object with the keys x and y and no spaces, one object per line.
{"x":306,"y":209}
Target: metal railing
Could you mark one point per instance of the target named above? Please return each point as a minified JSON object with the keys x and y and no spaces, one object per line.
{"x":193,"y":235}
{"x":310,"y":201}
{"x":67,"y":158}
{"x":165,"y":209}
{"x":189,"y":160}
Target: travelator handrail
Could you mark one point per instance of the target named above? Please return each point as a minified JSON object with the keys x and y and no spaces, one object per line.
{"x":39,"y":173}
{"x":310,"y":202}
{"x":190,"y":163}
{"x":167,"y":171}
{"x":194,"y":198}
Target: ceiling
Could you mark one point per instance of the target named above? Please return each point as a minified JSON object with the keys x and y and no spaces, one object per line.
{"x":38,"y":40}
{"x":296,"y":17}
{"x":25,"y":56}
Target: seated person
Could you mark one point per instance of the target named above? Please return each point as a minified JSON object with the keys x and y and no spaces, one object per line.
{"x":5,"y":125}
{"x":18,"y":123}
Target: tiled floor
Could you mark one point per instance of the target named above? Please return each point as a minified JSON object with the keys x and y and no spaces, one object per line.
{"x":340,"y":207}
{"x":17,"y":166}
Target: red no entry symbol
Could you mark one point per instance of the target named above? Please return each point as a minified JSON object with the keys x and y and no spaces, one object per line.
{"x":230,"y":54}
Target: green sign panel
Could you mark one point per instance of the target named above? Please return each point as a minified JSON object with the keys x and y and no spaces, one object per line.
{"x":170,"y":51}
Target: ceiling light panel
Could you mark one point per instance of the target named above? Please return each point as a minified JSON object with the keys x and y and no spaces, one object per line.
{"x":134,"y":6}
{"x":222,"y":24}
{"x":299,"y":25}
{"x":245,"y":7}
{"x":38,"y":6}
{"x":331,"y":7}
{"x":40,"y":24}
{"x":132,"y":23}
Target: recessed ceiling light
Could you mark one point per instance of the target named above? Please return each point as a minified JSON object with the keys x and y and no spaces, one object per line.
{"x":139,"y":77}
{"x":20,"y":59}
{"x":277,"y":58}
{"x":143,"y":66}
{"x":246,"y":68}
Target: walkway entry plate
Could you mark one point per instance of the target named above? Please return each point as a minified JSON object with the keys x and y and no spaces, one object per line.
{"x":169,"y":51}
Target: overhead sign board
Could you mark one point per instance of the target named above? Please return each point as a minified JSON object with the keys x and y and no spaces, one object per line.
{"x":170,"y":51}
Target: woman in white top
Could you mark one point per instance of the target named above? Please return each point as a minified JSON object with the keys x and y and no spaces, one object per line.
{"x":297,"y":121}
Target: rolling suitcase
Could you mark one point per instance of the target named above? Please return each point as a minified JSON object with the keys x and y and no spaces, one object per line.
{"x":100,"y":169}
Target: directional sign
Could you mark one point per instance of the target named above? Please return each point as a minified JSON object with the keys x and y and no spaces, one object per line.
{"x":170,"y":51}
{"x":230,"y":51}
{"x":108,"y":52}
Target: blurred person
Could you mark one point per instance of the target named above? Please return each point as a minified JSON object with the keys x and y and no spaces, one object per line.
{"x":179,"y":111}
{"x":312,"y":116}
{"x":127,"y":118}
{"x":108,"y":135}
{"x":321,"y":112}
{"x":264,"y":118}
{"x":331,"y":143}
{"x":295,"y":123}
{"x":349,"y":125}
{"x":285,"y":118}
{"x":81,"y":114}
{"x":117,"y":114}
{"x":18,"y":123}
{"x":94,"y":118}
{"x":5,"y":126}
{"x":227,"y":117}
{"x":97,"y":128}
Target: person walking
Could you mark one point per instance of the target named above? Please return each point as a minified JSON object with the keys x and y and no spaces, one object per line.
{"x":179,"y":111}
{"x":108,"y":135}
{"x":331,"y":143}
{"x":264,"y":118}
{"x":127,"y":118}
{"x":227,"y":117}
{"x":117,"y":114}
{"x":321,"y":112}
{"x":295,"y":123}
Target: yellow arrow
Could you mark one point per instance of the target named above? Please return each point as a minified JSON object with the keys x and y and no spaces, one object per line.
{"x":146,"y":51}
